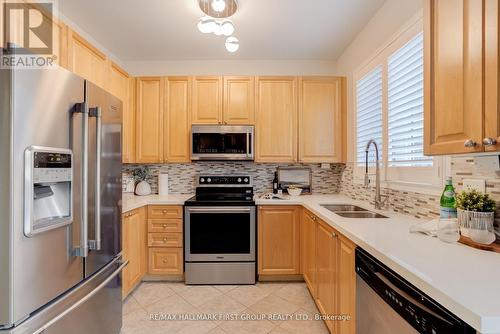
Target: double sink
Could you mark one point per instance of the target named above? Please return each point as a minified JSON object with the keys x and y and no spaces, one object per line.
{"x":351,"y":211}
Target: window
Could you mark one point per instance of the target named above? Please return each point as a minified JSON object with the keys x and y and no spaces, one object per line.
{"x":369,"y":112}
{"x":405,"y":99}
{"x":389,"y":104}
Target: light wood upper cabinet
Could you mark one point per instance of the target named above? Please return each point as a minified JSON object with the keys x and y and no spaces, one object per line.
{"x":122,"y":86}
{"x":207,"y":100}
{"x":326,"y":271}
{"x":321,"y":119}
{"x":239,"y":100}
{"x":86,"y":60}
{"x":134,"y":243}
{"x":308,"y":250}
{"x":278,"y":240}
{"x":149,"y":119}
{"x":346,"y":289}
{"x":453,"y":76}
{"x":492,"y":75}
{"x":276,"y":119}
{"x":177,"y":124}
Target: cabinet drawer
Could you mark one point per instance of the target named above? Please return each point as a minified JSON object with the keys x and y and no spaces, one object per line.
{"x":164,"y":211}
{"x":165,"y":239}
{"x":165,"y":225}
{"x":165,"y":261}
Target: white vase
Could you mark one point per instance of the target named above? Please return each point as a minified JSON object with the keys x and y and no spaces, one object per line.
{"x":142,"y":188}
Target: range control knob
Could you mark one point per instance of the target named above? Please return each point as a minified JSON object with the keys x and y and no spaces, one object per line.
{"x":246,"y":180}
{"x":209,"y":180}
{"x":239,"y":180}
{"x":202,"y":180}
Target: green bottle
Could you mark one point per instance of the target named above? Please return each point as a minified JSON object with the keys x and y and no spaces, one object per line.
{"x":448,"y":202}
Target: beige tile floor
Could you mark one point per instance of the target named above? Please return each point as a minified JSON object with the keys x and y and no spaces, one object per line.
{"x":268,"y":303}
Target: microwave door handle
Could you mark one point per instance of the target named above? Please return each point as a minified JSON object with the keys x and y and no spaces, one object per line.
{"x":82,"y":250}
{"x":96,"y":243}
{"x":248,"y":145}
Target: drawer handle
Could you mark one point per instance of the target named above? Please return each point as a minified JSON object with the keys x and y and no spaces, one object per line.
{"x":470,"y":143}
{"x":164,"y":225}
{"x":488,"y":141}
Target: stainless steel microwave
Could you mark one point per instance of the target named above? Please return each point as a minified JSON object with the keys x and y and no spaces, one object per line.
{"x":222,"y":142}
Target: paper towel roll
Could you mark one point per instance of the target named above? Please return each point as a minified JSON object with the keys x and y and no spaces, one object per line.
{"x":163,"y":184}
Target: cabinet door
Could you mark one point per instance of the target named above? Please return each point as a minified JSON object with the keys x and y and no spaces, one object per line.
{"x":239,"y":100}
{"x":453,"y":76}
{"x":326,"y":256}
{"x":276,"y":119}
{"x":86,"y":60}
{"x":321,"y":119}
{"x":177,"y":119}
{"x":149,"y":120}
{"x":308,"y":250}
{"x":492,"y":77}
{"x":346,"y":290}
{"x":207,"y":100}
{"x":134,"y":248}
{"x":119,"y":84}
{"x":278,"y":240}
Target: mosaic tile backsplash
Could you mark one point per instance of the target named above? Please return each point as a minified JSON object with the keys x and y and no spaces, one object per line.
{"x":181,"y":177}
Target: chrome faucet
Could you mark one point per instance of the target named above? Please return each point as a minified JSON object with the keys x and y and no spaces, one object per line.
{"x":379,"y":203}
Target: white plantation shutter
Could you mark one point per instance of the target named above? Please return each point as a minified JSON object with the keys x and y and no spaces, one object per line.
{"x":369,"y":113}
{"x":405,"y":96}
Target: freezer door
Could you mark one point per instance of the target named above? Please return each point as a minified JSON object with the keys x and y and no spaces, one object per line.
{"x":40,"y":267}
{"x":105,"y":177}
{"x":95,"y":306}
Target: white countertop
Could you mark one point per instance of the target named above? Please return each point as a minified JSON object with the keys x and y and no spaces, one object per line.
{"x":131,"y":201}
{"x":464,"y":280}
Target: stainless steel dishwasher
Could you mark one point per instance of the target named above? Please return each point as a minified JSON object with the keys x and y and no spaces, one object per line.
{"x":386,"y":303}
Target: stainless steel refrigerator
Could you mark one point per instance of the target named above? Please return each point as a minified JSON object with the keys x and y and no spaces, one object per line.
{"x":60,"y":204}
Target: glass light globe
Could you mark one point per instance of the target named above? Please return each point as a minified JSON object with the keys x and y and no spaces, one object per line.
{"x":218,"y":29}
{"x":227,"y":28}
{"x":218,"y":5}
{"x":206,"y":25}
{"x":232,"y":44}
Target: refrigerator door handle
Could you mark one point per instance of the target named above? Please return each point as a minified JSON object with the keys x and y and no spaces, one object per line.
{"x":82,"y":250}
{"x":96,"y":243}
{"x":83,"y":300}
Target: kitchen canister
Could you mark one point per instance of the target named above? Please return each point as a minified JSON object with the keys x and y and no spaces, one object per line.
{"x":162,"y":184}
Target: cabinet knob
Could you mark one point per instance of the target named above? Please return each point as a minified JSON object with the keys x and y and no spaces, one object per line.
{"x":164,"y":211}
{"x":164,"y":225}
{"x":334,"y":234}
{"x":165,"y":261}
{"x":488,"y":141}
{"x":470,"y":143}
{"x":164,"y":239}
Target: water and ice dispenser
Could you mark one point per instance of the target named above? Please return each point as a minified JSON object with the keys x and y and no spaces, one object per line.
{"x":48,"y":195}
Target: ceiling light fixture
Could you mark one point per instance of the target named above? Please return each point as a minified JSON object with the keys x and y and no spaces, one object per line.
{"x":219,"y":5}
{"x":232,"y":44}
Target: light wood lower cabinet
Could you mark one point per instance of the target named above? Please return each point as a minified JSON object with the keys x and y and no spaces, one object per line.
{"x":326,"y":271}
{"x":278,"y":240}
{"x":346,"y":290}
{"x":134,"y":248}
{"x":308,"y":250}
{"x":165,"y":252}
{"x":330,"y":275}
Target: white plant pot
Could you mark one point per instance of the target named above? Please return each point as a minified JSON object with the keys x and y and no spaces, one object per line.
{"x":142,"y":188}
{"x":477,"y":225}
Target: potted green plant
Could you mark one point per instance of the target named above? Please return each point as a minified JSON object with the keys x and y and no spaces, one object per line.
{"x":476,"y":214}
{"x":142,"y":187}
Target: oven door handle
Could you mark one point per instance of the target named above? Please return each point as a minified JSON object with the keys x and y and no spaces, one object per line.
{"x":219,"y":210}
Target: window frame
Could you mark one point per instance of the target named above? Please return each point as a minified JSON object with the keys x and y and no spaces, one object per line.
{"x":398,"y":178}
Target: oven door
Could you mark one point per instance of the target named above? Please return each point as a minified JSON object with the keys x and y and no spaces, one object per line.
{"x":222,"y":142}
{"x":219,"y":234}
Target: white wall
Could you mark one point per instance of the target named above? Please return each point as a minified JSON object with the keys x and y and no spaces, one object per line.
{"x":231,"y":67}
{"x":389,"y":21}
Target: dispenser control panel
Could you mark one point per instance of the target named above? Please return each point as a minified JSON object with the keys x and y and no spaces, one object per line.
{"x":48,"y":195}
{"x":51,"y":167}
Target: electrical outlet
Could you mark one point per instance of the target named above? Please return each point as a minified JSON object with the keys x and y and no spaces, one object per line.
{"x":477,"y":184}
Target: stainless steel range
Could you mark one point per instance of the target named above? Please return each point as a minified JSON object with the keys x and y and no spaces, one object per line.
{"x":220,"y":231}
